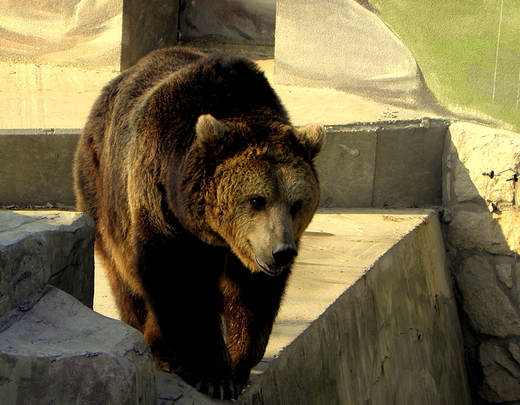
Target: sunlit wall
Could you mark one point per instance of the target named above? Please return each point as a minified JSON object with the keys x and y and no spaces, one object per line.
{"x":468,"y":51}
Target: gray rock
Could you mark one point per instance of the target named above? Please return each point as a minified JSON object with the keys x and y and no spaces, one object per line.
{"x":489,"y":309}
{"x":501,"y":374}
{"x":61,"y":352}
{"x":505,"y":273}
{"x":41,"y":247}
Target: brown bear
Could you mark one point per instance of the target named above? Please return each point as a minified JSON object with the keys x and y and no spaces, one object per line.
{"x":200,"y":189}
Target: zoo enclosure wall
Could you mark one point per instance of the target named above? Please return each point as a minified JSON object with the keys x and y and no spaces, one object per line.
{"x":366,"y":165}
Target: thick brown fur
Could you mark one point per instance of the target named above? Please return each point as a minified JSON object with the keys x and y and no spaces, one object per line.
{"x":200,"y":189}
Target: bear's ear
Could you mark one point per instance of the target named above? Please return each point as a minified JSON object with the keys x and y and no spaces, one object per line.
{"x":311,"y":136}
{"x":209,"y":130}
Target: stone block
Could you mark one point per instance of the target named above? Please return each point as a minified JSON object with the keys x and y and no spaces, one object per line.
{"x":473,"y":227}
{"x":60,"y":352}
{"x":41,"y":247}
{"x":490,"y":307}
{"x":501,"y":372}
{"x":472,"y":150}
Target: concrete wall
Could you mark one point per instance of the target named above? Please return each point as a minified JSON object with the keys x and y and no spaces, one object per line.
{"x":363,"y":165}
{"x":391,"y":338}
{"x":36,"y":167}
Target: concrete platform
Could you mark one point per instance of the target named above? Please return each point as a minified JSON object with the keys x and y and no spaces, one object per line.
{"x":49,"y":97}
{"x":340,"y":251}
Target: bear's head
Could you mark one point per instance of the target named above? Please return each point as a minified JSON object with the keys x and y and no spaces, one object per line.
{"x":262,"y":188}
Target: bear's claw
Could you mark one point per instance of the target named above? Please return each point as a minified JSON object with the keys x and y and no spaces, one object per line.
{"x":219,"y":391}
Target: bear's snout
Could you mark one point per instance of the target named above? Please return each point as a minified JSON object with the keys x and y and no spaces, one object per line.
{"x":284,"y":254}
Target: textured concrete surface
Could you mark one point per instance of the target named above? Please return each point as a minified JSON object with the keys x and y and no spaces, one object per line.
{"x":38,"y":96}
{"x":36,"y":167}
{"x":65,"y":33}
{"x":48,"y":97}
{"x":58,"y":351}
{"x":45,"y":247}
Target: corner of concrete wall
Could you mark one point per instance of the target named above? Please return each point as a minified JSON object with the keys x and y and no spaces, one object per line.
{"x":392,"y":337}
{"x":383,"y":164}
{"x":147,"y":27}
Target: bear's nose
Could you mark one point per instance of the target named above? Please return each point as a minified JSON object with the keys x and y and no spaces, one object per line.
{"x":284,"y":254}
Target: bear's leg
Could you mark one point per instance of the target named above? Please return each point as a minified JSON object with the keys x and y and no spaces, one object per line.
{"x":181,"y":279}
{"x":251,"y":303}
{"x":162,"y":354}
{"x":132,"y":307}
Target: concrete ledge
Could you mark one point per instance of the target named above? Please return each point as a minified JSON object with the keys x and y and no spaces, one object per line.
{"x":380,"y":164}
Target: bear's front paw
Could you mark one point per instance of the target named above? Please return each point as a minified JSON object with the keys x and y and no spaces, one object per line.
{"x":216,"y":387}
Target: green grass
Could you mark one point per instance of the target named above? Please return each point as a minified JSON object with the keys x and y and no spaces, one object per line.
{"x":455,"y":45}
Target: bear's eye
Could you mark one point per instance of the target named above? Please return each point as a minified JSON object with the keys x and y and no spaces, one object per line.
{"x":258,"y":202}
{"x":296,"y":207}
